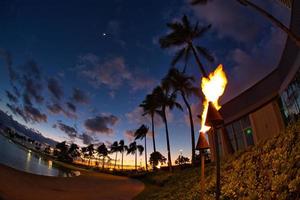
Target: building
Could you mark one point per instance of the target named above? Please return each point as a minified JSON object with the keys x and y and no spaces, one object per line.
{"x":287,"y":3}
{"x":265,"y":109}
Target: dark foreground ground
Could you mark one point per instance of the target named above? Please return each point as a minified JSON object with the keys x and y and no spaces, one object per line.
{"x":17,"y":185}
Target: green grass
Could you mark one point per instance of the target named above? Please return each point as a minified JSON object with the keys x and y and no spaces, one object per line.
{"x":270,"y":170}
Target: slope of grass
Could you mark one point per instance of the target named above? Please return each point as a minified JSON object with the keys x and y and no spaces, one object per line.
{"x":270,"y":170}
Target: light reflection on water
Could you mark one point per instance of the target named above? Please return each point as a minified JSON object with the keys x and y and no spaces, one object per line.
{"x":25,"y":160}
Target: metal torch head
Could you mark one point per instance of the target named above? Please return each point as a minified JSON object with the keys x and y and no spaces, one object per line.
{"x":213,"y":117}
{"x":202,"y":143}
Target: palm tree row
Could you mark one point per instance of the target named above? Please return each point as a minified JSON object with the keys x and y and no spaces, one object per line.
{"x":183,"y":34}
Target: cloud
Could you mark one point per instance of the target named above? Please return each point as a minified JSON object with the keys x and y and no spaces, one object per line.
{"x":251,"y":66}
{"x":71,"y":107}
{"x":101,"y":124}
{"x":34,"y":115}
{"x":136,"y":117}
{"x":69,"y":130}
{"x":6,"y":56}
{"x":129,"y":135}
{"x":80,"y":96}
{"x":56,"y":108}
{"x":110,"y":73}
{"x":55,"y":88}
{"x":86,"y":139}
{"x":230,"y":19}
{"x":140,"y":82}
{"x":11,"y":97}
{"x":17,"y":111}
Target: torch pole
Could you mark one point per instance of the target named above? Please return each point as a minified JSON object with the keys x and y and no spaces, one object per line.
{"x":217,"y":154}
{"x":202,"y":174}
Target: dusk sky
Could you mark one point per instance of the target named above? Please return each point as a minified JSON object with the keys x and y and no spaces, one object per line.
{"x":78,"y":71}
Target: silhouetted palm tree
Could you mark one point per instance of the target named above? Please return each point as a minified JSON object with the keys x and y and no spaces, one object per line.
{"x":149,"y":106}
{"x":262,"y":12}
{"x":114,"y":148}
{"x":122,"y":149}
{"x":90,"y":152}
{"x":182,"y":35}
{"x":141,"y":133}
{"x":166,"y":100}
{"x":133,"y":149}
{"x":102,"y":151}
{"x":73,"y":151}
{"x":183,"y":84}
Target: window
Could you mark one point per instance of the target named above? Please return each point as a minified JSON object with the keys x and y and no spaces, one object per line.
{"x":290,"y":101}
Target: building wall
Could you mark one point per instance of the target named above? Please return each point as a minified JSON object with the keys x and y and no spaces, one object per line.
{"x":287,"y":3}
{"x":266,"y":122}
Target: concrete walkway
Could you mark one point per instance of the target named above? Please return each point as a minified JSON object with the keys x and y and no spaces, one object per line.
{"x":17,"y":185}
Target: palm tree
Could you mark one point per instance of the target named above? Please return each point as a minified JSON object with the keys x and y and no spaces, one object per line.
{"x":73,"y":151}
{"x":262,"y":12}
{"x":166,"y":100}
{"x":183,"y":84}
{"x":182,"y":35}
{"x":141,"y":133}
{"x":133,"y":149}
{"x":90,"y":152}
{"x":114,"y":148}
{"x":149,"y":106}
{"x":102,"y":151}
{"x":122,"y":149}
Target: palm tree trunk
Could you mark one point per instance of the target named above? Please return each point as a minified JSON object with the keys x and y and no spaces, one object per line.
{"x":168,"y":141}
{"x":116,"y":160}
{"x":191,"y":126}
{"x":103,"y":162}
{"x":146,"y":153}
{"x":274,"y":20}
{"x":135,"y":159}
{"x":153,"y":135}
{"x":198,"y":61}
{"x":122,"y":160}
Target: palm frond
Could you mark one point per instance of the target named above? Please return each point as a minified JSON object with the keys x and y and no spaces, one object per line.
{"x":179,"y":54}
{"x":201,"y":31}
{"x":205,"y":52}
{"x":197,"y":2}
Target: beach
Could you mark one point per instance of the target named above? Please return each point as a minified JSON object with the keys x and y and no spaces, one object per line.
{"x":18,"y":185}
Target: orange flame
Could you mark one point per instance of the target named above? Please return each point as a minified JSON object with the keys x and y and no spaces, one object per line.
{"x":212,"y":87}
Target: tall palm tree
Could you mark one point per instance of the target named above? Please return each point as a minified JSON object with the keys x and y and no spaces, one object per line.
{"x":122,"y":149}
{"x":183,"y":84}
{"x":90,"y":152}
{"x":102,"y":151}
{"x":114,"y":148}
{"x":183,"y":35}
{"x":139,"y":134}
{"x":166,"y":100}
{"x":262,"y":12}
{"x":134,"y":149}
{"x":149,"y":106}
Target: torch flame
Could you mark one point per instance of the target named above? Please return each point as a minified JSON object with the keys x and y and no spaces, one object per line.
{"x":212,"y":87}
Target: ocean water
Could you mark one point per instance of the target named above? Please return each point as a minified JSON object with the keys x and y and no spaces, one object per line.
{"x":22,"y":159}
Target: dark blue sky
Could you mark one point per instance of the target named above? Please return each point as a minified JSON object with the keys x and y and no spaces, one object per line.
{"x":92,"y":62}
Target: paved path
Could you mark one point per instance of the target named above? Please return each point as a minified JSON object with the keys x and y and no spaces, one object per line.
{"x":17,"y":185}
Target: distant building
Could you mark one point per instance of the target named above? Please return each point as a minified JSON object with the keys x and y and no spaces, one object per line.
{"x":265,"y":109}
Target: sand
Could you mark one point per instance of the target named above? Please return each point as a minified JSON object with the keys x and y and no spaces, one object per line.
{"x":17,"y":185}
